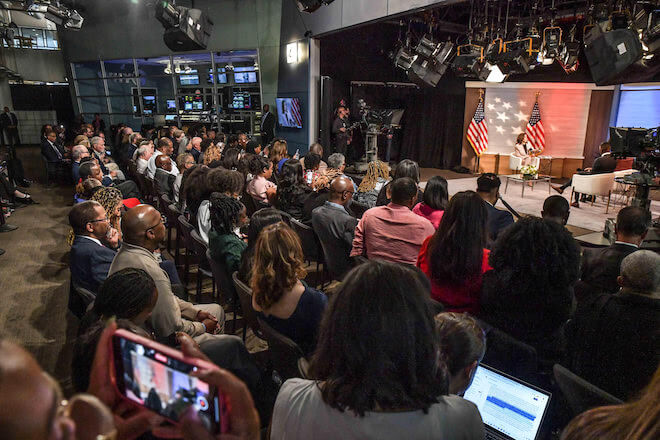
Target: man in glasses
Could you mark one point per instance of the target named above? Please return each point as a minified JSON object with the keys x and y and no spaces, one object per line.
{"x":94,"y":246}
{"x":335,"y":226}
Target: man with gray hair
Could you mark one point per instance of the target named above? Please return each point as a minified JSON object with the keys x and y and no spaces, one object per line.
{"x":614,"y":341}
{"x":144,"y":153}
{"x":108,"y":166}
{"x":78,"y":153}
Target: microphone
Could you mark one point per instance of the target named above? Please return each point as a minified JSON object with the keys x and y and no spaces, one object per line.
{"x":508,"y":207}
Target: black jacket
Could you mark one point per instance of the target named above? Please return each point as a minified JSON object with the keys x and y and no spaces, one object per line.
{"x":614,"y":342}
{"x":600,"y":268}
{"x":497,"y":220}
{"x":335,"y":228}
{"x":50,"y":152}
{"x":90,"y":263}
{"x":267,"y":129}
{"x":603,"y":164}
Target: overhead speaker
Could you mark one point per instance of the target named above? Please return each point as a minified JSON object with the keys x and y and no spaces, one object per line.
{"x":311,"y":5}
{"x":192,"y":32}
{"x":610,"y":53}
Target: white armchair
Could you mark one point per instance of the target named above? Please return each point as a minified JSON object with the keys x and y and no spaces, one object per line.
{"x":594,"y":185}
{"x":515,"y":162}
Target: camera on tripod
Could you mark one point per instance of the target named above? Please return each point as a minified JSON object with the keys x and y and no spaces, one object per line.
{"x":641,"y":143}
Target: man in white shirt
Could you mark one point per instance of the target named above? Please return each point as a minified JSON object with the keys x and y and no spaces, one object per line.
{"x":144,"y":153}
{"x":164,"y":147}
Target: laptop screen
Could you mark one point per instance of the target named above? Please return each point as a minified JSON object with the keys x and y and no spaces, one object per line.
{"x":507,"y":405}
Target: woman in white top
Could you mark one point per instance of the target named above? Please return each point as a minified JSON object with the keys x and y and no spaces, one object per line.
{"x":522,"y":149}
{"x":377,"y":368}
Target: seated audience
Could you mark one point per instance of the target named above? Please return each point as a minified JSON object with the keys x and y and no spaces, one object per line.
{"x":278,"y":296}
{"x":50,"y":150}
{"x":556,"y":209}
{"x":488,"y":187}
{"x":212,"y":155}
{"x":635,"y":420}
{"x":164,"y":177}
{"x":462,"y":346}
{"x":260,"y":188}
{"x":316,"y":148}
{"x":104,"y":160}
{"x":143,"y":231}
{"x":81,"y":140}
{"x":601,"y":267}
{"x":614,"y":340}
{"x":196,"y":148}
{"x":227,"y":215}
{"x":278,"y":154}
{"x":230,"y":158}
{"x":143,"y":153}
{"x":164,"y":147}
{"x":258,"y":221}
{"x":335,"y":227}
{"x":292,"y":191}
{"x":184,"y":162}
{"x":455,"y":258}
{"x":529,"y":292}
{"x":405,"y":168}
{"x":312,"y":168}
{"x":94,"y":246}
{"x":376,"y":177}
{"x":374,"y":375}
{"x":335,"y":168}
{"x":112,"y":202}
{"x":78,"y":153}
{"x":181,"y":142}
{"x":393,"y":232}
{"x":229,"y":183}
{"x":434,"y":200}
{"x":195,"y":190}
{"x":86,"y":189}
{"x":91,"y":169}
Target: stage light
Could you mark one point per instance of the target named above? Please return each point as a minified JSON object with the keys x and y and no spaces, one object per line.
{"x":551,"y":42}
{"x":610,"y":53}
{"x":185,"y":28}
{"x":492,"y":73}
{"x":311,"y":5}
{"x":517,"y":56}
{"x":469,"y":60}
{"x":404,"y":58}
{"x":426,"y":47}
{"x":424,"y":72}
{"x":57,"y":13}
{"x":568,"y":58}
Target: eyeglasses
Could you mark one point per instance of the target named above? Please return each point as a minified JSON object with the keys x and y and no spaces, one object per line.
{"x":156,"y":225}
{"x":106,"y":219}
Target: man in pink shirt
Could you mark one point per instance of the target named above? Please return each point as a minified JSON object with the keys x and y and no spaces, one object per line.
{"x":393,"y":232}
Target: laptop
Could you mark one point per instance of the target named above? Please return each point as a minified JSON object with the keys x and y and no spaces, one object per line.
{"x":509,"y":407}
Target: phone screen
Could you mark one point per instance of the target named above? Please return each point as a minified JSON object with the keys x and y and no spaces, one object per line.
{"x":162,"y":384}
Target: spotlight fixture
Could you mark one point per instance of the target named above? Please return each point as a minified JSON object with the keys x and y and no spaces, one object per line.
{"x":55,"y":12}
{"x":404,"y":58}
{"x":185,"y":28}
{"x":551,"y":45}
{"x":610,"y":53}
{"x":517,"y":56}
{"x":469,"y":60}
{"x":491,"y":72}
{"x":568,"y":58}
{"x":311,"y":5}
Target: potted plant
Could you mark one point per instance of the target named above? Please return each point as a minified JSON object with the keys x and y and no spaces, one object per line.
{"x":529,"y":172}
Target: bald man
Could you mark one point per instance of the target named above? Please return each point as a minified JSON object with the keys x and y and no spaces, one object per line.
{"x":164,"y":177}
{"x":143,"y":230}
{"x":165,"y":147}
{"x":335,"y":227}
{"x":196,"y":150}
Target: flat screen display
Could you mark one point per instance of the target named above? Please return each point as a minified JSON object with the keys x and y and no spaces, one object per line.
{"x":188,"y":106}
{"x":245,"y":77}
{"x":189,"y":80}
{"x":241,"y":101}
{"x":198,"y":105}
{"x":171,"y":104}
{"x":288,"y":112}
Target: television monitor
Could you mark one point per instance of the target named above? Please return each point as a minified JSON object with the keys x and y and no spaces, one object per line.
{"x":288,"y":112}
{"x":198,"y":105}
{"x":171,"y":104}
{"x":244,"y":69}
{"x":189,"y":80}
{"x":188,"y":106}
{"x":241,"y":101}
{"x":245,"y":77}
{"x":170,"y":118}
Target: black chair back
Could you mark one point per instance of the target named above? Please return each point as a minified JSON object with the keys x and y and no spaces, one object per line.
{"x":186,"y":228}
{"x":131,"y":170}
{"x":250,"y":206}
{"x":310,"y":242}
{"x":284,"y":353}
{"x":200,"y":248}
{"x":580,"y":394}
{"x":223,"y":279}
{"x":245,"y":297}
{"x":80,"y":299}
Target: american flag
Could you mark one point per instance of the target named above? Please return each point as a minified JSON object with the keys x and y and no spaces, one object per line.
{"x":295,"y":112}
{"x":477,"y":132}
{"x":534,"y":131}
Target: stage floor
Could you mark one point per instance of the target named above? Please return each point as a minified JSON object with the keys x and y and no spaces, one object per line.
{"x":585,"y":219}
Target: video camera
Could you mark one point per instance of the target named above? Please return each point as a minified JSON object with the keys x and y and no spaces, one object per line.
{"x":641,"y":143}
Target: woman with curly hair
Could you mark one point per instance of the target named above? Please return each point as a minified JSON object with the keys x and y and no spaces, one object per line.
{"x":227,"y":214}
{"x":195,"y":190}
{"x":212,"y":156}
{"x":378,"y":174}
{"x":278,"y":295}
{"x":111,"y":200}
{"x":529,"y":292}
{"x":292,"y":193}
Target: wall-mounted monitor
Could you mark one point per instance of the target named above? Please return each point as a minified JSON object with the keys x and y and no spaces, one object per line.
{"x":188,"y":106}
{"x":198,"y":105}
{"x":189,"y":80}
{"x":149,"y":104}
{"x":171,"y":105}
{"x":288,"y":112}
{"x":245,"y":77}
{"x":241,"y":101}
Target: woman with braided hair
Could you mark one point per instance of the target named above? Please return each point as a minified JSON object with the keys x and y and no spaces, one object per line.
{"x":227,"y":215}
{"x":111,"y":200}
{"x":378,"y":174}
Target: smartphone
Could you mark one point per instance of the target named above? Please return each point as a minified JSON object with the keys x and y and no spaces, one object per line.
{"x":157,"y":377}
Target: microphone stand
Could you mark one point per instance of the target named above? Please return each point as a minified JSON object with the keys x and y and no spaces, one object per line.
{"x":507,"y":206}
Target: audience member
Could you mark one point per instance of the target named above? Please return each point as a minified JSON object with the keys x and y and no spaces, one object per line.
{"x":335,"y":168}
{"x":374,"y":375}
{"x":143,"y":230}
{"x":91,"y":169}
{"x":635,"y":420}
{"x":165,"y":177}
{"x":405,"y":168}
{"x":78,"y":153}
{"x":488,"y":187}
{"x":86,"y":189}
{"x":260,"y":188}
{"x":81,"y":140}
{"x":278,"y":296}
{"x":230,"y":158}
{"x":94,"y":245}
{"x":292,"y":192}
{"x":248,"y":145}
{"x":258,"y":221}
{"x":312,"y":168}
{"x":556,"y":209}
{"x":614,"y":341}
{"x":112,"y":202}
{"x":143,"y":153}
{"x":376,"y":177}
{"x":184,"y":162}
{"x":462,"y":346}
{"x":278,"y":153}
{"x":164,"y":147}
{"x":196,"y":148}
{"x":180,"y":141}
{"x":393,"y":232}
{"x":316,"y":148}
{"x":600,"y":267}
{"x":212,"y":155}
{"x":227,"y":215}
{"x":455,"y":258}
{"x":227,"y":182}
{"x":335,"y":227}
{"x":196,"y":190}
{"x":54,"y":155}
{"x":134,"y":140}
{"x":529,"y":292}
{"x":434,"y":200}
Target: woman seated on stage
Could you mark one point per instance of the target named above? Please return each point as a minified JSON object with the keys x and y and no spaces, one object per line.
{"x":434,"y":200}
{"x":378,"y":174}
{"x":523,"y":150}
{"x":455,"y":257}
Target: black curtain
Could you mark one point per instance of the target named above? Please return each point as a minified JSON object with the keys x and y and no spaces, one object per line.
{"x":433,"y":125}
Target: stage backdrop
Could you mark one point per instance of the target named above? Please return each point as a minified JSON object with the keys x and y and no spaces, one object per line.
{"x":565,"y":112}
